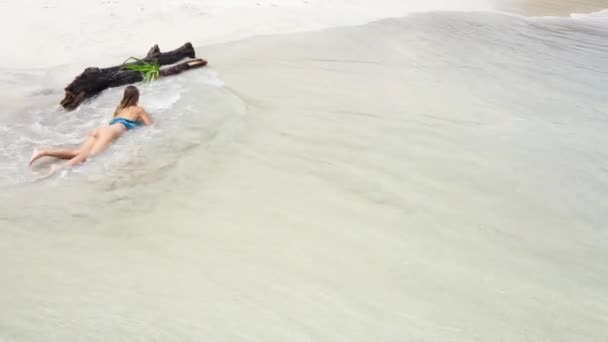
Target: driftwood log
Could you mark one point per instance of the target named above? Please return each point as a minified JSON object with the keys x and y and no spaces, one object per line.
{"x":94,"y":80}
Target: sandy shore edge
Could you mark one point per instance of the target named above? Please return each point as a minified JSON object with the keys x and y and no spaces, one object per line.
{"x":550,"y":7}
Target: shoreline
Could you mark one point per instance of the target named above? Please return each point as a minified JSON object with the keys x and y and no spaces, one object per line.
{"x":49,"y":29}
{"x":544,"y":8}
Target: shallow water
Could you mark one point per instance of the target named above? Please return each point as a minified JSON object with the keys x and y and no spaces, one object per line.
{"x":441,"y":176}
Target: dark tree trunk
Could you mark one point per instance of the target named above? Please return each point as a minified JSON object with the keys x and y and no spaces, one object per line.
{"x":93,"y":81}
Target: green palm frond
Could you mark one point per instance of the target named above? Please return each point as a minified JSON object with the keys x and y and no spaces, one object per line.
{"x":149,"y":71}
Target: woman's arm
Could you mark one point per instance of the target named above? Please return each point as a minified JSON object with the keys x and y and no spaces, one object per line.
{"x":145,"y":117}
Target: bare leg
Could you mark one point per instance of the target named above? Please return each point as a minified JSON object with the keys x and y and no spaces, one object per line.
{"x":55,"y":153}
{"x":90,"y":148}
{"x":54,"y":168}
{"x":85,"y":148}
{"x":80,"y":158}
{"x":62,"y":153}
{"x":101,"y":145}
{"x":100,"y":142}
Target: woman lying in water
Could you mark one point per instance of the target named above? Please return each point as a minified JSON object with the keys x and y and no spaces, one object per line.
{"x":128,"y":115}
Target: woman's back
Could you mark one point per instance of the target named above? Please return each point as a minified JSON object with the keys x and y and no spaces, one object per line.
{"x":128,"y":109}
{"x":132,"y":113}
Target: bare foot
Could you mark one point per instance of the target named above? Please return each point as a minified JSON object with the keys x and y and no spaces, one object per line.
{"x":37,"y":154}
{"x":54,"y":169}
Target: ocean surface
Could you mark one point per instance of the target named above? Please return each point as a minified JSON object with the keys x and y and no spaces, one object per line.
{"x":401,"y":171}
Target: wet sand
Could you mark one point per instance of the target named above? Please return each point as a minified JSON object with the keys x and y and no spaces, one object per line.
{"x":550,"y":7}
